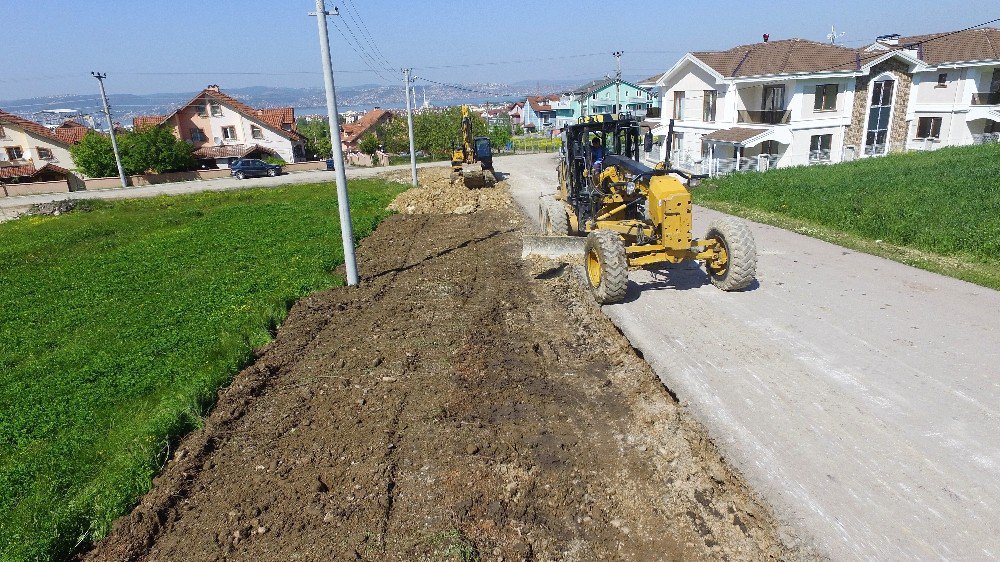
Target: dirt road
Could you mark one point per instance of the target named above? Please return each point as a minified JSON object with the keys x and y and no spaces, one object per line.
{"x":859,"y":395}
{"x":460,"y":404}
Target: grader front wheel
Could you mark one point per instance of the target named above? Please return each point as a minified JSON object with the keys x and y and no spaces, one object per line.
{"x":736,"y":264}
{"x":607,"y":266}
{"x":555,"y":221}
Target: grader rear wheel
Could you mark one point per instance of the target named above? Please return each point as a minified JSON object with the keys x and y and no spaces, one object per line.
{"x":736,"y":266}
{"x":607,"y":266}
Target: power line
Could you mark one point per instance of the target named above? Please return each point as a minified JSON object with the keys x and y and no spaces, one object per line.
{"x":359,"y":20}
{"x":365,"y":57}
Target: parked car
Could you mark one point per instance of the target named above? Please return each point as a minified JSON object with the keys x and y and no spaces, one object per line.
{"x":251,"y":167}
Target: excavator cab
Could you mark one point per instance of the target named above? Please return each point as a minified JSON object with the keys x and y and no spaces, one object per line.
{"x":484,"y":152}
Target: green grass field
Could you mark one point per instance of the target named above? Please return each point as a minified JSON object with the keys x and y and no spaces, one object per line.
{"x":536,"y":144}
{"x":120,"y":324}
{"x":937,"y":210}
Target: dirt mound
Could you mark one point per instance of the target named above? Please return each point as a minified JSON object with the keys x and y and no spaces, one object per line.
{"x":458,"y":405}
{"x":437,"y":193}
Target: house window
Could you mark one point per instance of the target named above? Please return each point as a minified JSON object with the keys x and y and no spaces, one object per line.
{"x":679,"y":105}
{"x":200,"y":110}
{"x":929,"y":128}
{"x":942,"y":80}
{"x":819,"y":148}
{"x":769,"y":147}
{"x":710,"y":100}
{"x":197,"y":135}
{"x":256,"y":132}
{"x":14,"y":153}
{"x":773,"y":98}
{"x":826,"y":97}
{"x":229,"y":133}
{"x":44,"y":153}
{"x":3,"y":133}
{"x":678,"y":142}
{"x":216,"y":110}
{"x":877,"y":132}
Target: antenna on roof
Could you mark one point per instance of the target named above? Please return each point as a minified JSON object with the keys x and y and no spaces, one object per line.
{"x":833,"y":35}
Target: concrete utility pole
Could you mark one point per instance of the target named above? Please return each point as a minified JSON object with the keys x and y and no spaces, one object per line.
{"x":407,"y":81}
{"x":343,"y":205}
{"x":111,"y":127}
{"x":618,"y":81}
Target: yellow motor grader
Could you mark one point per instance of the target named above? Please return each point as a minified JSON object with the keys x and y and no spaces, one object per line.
{"x":632,"y":215}
{"x":472,"y":150}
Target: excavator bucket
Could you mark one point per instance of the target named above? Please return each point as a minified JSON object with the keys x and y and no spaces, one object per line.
{"x":562,"y":248}
{"x":474,"y":179}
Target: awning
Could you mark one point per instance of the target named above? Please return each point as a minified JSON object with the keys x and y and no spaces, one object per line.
{"x":746,"y":137}
{"x":991,"y":113}
{"x":230,"y":151}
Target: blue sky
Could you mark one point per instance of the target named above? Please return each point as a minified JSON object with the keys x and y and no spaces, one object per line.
{"x":50,"y":46}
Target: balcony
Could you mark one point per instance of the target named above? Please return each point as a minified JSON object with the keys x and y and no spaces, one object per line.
{"x":986,"y":98}
{"x":766,"y":117}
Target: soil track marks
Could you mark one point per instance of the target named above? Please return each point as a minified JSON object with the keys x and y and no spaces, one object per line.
{"x":459,"y":405}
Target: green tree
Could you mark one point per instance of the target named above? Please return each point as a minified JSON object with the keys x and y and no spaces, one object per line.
{"x":317,"y":134}
{"x":155,"y":150}
{"x":518,"y":130}
{"x":500,"y":132}
{"x":93,"y":156}
{"x":368,"y":144}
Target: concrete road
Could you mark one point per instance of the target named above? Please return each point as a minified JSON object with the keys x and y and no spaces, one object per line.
{"x":859,"y":396}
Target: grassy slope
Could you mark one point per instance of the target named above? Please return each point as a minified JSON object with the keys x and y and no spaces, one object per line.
{"x":938,"y":210}
{"x":121,"y":323}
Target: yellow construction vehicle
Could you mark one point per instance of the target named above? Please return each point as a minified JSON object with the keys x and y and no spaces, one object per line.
{"x":472,"y":150}
{"x":632,"y":215}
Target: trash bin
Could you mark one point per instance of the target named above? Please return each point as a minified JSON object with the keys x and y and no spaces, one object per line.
{"x":329,"y":164}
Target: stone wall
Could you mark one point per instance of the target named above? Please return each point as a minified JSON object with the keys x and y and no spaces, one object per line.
{"x":855,"y":135}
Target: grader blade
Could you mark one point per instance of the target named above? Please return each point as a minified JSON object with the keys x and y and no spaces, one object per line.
{"x":563,"y":248}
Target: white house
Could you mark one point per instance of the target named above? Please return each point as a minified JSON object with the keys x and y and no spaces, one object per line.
{"x":796,"y":102}
{"x":223,"y":129}
{"x":30,"y":151}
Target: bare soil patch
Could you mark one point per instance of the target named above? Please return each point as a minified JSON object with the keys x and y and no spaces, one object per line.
{"x":460,"y":404}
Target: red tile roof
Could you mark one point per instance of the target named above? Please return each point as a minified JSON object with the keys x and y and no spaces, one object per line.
{"x":71,"y":132}
{"x":787,"y":56}
{"x":541,"y":103}
{"x":31,"y":127}
{"x":352,"y":132}
{"x":968,"y":45}
{"x":28,"y":170}
{"x":230,"y":151}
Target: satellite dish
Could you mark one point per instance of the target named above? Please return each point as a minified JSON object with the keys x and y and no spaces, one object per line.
{"x":218,"y":140}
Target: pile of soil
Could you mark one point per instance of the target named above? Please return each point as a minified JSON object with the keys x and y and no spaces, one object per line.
{"x":438,"y":193}
{"x":459,"y":404}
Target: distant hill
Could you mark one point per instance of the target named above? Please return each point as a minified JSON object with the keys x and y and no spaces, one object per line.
{"x":305,"y":100}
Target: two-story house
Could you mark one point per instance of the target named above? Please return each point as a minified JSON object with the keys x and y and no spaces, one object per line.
{"x":611,"y":95}
{"x":797,"y":102}
{"x":223,"y":129}
{"x":32,"y":152}
{"x":516,"y":113}
{"x":538,"y":114}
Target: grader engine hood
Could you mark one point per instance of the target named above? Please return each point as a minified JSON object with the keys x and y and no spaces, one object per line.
{"x":670,"y":208}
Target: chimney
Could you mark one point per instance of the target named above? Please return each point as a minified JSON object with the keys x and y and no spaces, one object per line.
{"x":891,"y":39}
{"x":213,"y":87}
{"x":766,"y":37}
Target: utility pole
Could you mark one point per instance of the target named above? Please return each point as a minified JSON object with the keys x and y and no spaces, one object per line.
{"x":407,"y":81}
{"x":343,"y":205}
{"x":618,"y":81}
{"x":111,"y":127}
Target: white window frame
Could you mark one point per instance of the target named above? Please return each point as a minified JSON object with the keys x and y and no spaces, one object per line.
{"x":8,"y":151}
{"x":820,"y":157}
{"x":201,"y":110}
{"x":868,"y":108}
{"x":930,"y":135}
{"x":215,"y":110}
{"x":256,"y":132}
{"x":225,"y":136}
{"x":679,"y":103}
{"x":51,"y":155}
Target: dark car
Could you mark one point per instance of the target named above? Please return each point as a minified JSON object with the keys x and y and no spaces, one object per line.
{"x":251,"y":167}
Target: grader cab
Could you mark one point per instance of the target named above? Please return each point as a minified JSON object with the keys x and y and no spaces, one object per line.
{"x":633,"y":215}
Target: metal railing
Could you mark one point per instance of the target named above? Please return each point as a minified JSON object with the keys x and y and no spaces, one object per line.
{"x":986,"y":98}
{"x":985,"y":138}
{"x":819,"y":156}
{"x":765,"y":117}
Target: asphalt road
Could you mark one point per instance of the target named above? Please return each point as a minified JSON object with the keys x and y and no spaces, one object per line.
{"x":859,"y":396}
{"x":11,"y":207}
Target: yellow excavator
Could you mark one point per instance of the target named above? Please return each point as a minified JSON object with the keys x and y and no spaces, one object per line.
{"x":472,"y":150}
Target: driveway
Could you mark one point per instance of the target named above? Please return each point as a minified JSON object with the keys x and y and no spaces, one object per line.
{"x":859,"y":396}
